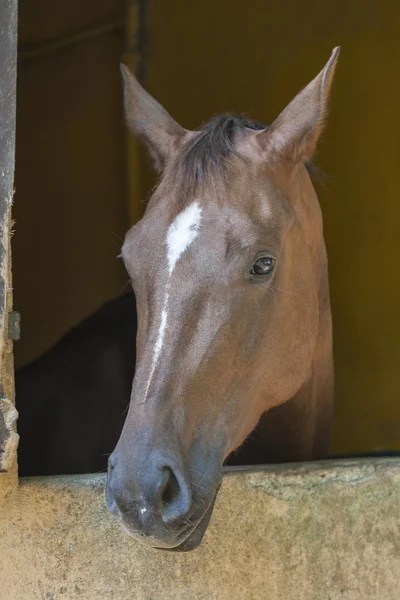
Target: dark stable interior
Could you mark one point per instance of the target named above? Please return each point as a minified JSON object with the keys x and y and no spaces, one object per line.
{"x":80,"y":182}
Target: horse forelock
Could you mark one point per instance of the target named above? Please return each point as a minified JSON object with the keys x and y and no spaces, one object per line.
{"x":203,"y":161}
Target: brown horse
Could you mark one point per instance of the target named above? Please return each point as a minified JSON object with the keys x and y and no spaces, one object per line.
{"x":229,"y":270}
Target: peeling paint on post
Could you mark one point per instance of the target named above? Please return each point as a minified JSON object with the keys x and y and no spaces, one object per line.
{"x":8,"y":65}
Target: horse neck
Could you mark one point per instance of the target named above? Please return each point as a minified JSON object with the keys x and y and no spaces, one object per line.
{"x":309,"y":215}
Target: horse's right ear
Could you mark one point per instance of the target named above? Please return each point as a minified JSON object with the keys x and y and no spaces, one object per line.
{"x":149,"y":120}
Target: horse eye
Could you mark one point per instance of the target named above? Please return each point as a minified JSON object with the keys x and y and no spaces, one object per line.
{"x":263,"y":266}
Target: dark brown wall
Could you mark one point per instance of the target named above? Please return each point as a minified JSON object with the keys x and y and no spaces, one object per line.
{"x":70,"y":206}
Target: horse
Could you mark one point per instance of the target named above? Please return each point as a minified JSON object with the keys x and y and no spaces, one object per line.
{"x":229,"y":270}
{"x":72,"y":400}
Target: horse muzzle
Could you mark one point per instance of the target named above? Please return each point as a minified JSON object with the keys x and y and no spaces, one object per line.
{"x":159,"y":502}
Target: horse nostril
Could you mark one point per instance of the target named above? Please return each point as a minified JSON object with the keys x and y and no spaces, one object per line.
{"x":175,"y":496}
{"x":171,"y":489}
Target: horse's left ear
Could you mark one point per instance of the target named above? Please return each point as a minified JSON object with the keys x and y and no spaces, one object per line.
{"x":294,"y":134}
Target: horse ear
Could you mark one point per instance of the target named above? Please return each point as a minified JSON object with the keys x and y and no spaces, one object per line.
{"x":148,"y":120}
{"x":294,"y":134}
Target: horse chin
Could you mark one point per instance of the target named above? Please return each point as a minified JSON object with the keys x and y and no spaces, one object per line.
{"x":186,"y":541}
{"x":194,"y":538}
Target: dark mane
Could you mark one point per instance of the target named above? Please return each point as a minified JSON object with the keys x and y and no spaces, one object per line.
{"x":208,"y":153}
{"x":204,"y":159}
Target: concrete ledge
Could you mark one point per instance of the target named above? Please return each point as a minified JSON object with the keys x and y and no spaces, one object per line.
{"x":325,"y":531}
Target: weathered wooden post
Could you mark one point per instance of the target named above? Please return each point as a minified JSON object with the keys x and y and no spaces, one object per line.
{"x":8,"y":326}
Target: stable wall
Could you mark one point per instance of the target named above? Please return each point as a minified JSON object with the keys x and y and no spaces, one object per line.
{"x":225,"y":55}
{"x":315,"y":532}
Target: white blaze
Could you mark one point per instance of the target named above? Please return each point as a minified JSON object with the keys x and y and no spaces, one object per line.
{"x":181,"y":234}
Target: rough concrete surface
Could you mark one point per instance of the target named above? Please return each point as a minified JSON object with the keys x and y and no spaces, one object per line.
{"x":326,"y":531}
